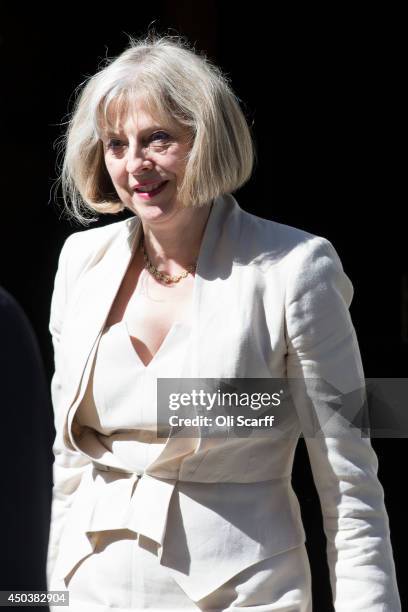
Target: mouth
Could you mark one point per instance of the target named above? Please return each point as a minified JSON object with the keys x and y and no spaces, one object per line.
{"x":152,"y":189}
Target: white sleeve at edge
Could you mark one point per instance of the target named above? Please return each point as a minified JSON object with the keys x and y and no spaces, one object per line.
{"x":322,"y":344}
{"x":68,"y":465}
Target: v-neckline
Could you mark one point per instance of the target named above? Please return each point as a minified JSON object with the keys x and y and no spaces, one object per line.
{"x":195,"y":290}
{"x":123,"y":326}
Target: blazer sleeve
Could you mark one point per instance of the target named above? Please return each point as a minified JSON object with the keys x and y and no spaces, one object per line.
{"x":68,"y":465}
{"x":323,"y":354}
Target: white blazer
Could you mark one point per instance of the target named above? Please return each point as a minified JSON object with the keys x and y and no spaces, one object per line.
{"x":269,"y":301}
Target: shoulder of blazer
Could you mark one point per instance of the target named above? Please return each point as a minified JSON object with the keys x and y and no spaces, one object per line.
{"x":271,"y":242}
{"x":85,"y":248}
{"x":301,"y":259}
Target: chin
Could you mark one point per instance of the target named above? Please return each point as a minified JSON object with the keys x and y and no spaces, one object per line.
{"x":164,"y":207}
{"x":152,"y":211}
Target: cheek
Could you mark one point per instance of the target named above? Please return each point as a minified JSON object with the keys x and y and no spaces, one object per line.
{"x":182,"y":161}
{"x":115,"y":171}
{"x":177,"y":166}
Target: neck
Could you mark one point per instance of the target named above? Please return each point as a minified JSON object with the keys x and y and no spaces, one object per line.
{"x":176,"y":246}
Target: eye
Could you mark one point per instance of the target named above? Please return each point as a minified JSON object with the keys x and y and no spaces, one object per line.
{"x":157,"y":137}
{"x":114,"y":143}
{"x":160,"y":135}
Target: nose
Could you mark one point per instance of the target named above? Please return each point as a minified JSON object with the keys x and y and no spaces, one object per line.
{"x":138,"y":159}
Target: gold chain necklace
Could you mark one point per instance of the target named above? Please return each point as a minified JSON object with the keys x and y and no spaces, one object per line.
{"x":162,"y":276}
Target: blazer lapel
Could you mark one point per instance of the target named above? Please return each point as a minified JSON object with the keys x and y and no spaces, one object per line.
{"x":214,"y":264}
{"x":93,"y":301}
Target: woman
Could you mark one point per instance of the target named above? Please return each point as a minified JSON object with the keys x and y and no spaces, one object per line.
{"x":193,"y":287}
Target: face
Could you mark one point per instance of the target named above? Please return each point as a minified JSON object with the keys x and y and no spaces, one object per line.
{"x":143,"y":155}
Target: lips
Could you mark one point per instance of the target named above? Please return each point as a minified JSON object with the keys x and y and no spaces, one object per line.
{"x":150,"y":195}
{"x":149,"y":187}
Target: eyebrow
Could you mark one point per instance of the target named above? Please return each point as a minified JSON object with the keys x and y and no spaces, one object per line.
{"x":145,"y":130}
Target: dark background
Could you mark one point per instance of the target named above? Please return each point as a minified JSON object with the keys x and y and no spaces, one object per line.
{"x":323,"y":92}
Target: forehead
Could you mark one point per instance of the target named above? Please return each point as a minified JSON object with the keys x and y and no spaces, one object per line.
{"x":127,"y":114}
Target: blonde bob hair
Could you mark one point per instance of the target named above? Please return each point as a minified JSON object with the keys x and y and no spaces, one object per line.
{"x":176,"y":85}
